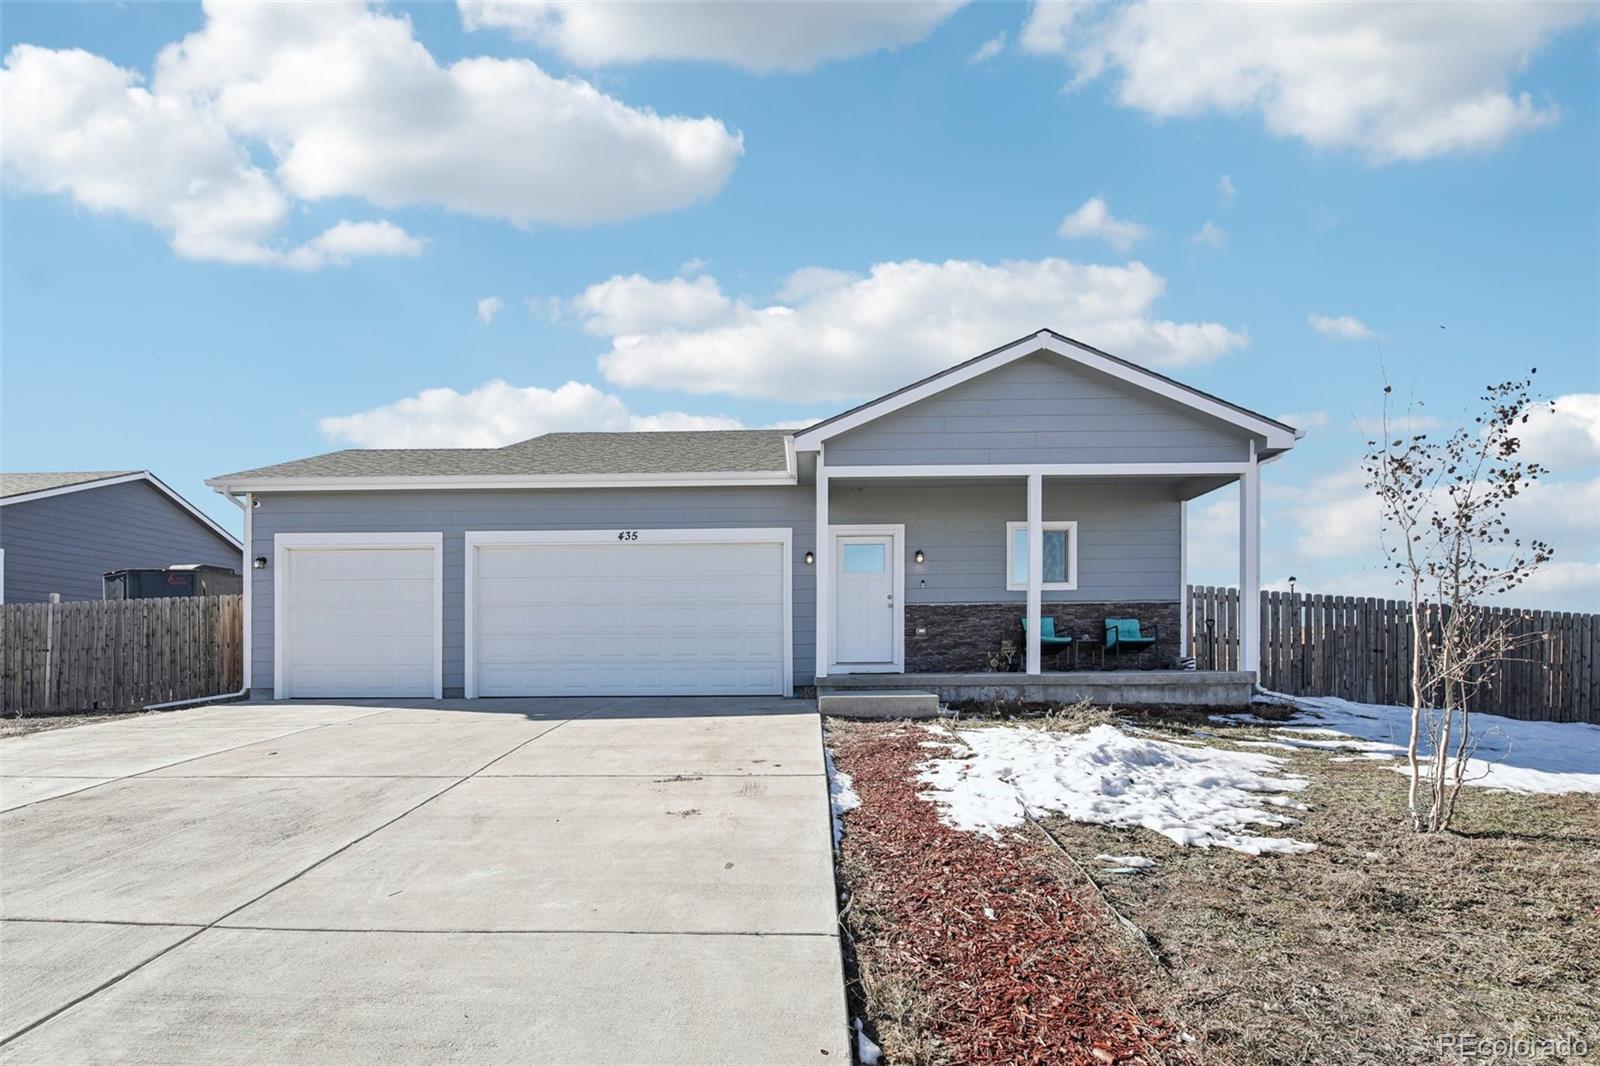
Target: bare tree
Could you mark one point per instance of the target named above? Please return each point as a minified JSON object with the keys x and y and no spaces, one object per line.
{"x":1443,"y":505}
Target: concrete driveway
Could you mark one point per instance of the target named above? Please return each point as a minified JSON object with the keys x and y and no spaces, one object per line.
{"x":561,"y":881}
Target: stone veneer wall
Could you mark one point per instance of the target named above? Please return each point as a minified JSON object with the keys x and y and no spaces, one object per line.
{"x":960,"y":637}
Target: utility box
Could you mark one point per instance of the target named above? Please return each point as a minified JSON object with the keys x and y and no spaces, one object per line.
{"x":149,"y":583}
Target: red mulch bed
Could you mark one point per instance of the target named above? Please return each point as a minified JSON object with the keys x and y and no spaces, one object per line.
{"x":1036,"y":983}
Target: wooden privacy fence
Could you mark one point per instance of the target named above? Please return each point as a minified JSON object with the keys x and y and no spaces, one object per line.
{"x":1360,"y":649}
{"x":118,"y":655}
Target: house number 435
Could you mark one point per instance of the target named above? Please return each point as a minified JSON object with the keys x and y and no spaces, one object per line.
{"x":628,"y":534}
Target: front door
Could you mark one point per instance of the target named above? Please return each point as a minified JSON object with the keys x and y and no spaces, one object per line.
{"x":865,"y":613}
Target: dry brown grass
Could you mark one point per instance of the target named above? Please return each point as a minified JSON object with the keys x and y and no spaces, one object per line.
{"x":21,"y":727}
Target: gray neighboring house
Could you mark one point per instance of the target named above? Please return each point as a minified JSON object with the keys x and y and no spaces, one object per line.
{"x":908,"y":535}
{"x":60,"y":531}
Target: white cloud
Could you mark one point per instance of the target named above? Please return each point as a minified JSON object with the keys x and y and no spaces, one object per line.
{"x":1094,"y":219}
{"x":488,"y":307}
{"x":773,"y":36}
{"x":1401,"y":81}
{"x":1210,"y":235}
{"x":989,"y":49}
{"x":1226,"y":189}
{"x":1567,"y":437}
{"x":496,"y":413}
{"x":837,"y":336}
{"x":693,"y":266}
{"x":1345,"y":327}
{"x":1304,"y":419}
{"x":345,"y":102}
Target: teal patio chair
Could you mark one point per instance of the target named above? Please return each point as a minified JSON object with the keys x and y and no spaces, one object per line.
{"x":1125,"y":633}
{"x":1049,"y":643}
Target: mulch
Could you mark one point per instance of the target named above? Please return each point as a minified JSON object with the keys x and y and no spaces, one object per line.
{"x":1034,"y":983}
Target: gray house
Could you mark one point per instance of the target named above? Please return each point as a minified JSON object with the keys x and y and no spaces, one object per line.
{"x":59,"y":532}
{"x":910,"y":535}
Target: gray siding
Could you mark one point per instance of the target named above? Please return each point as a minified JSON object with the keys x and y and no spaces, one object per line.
{"x":1040,"y":410}
{"x":64,"y":543}
{"x":1129,"y":537}
{"x":453,"y":513}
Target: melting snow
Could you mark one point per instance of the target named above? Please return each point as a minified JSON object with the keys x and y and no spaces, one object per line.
{"x":841,"y":796}
{"x":1193,"y":796}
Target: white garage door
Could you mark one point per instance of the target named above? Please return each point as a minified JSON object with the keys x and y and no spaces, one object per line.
{"x":359,"y":618}
{"x":640,"y":612}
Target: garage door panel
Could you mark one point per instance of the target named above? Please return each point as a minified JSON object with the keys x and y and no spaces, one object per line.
{"x":633,"y":619}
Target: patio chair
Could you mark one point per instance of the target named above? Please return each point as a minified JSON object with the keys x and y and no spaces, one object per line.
{"x":1049,"y":643}
{"x":1126,"y":634}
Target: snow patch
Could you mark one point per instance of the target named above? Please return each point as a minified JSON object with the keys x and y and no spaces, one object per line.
{"x":1201,"y":797}
{"x":1127,"y":862}
{"x":868,"y":1052}
{"x":841,"y":796}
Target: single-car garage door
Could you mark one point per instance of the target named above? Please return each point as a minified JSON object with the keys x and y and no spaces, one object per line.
{"x":628,"y":612}
{"x":358,"y":614}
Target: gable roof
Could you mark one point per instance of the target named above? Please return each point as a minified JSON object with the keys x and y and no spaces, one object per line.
{"x":1279,"y":436}
{"x":756,"y":454}
{"x":26,"y":487}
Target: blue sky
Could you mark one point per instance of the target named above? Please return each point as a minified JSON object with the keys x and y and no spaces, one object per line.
{"x":255,"y":248}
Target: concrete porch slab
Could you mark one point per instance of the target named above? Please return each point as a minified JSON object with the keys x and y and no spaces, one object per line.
{"x":677,"y":853}
{"x":424,"y":998}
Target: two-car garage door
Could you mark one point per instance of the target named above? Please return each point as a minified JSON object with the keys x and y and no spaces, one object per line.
{"x":620,"y":612}
{"x":629,"y":612}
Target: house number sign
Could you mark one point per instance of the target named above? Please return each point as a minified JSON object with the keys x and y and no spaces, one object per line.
{"x":628,"y":534}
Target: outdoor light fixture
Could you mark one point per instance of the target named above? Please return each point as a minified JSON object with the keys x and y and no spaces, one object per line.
{"x":261,"y":562}
{"x":810,"y":558}
{"x":919,"y":556}
{"x":1291,"y":584}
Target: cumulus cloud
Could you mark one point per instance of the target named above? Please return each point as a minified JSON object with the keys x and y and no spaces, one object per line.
{"x":488,"y":307}
{"x":832,"y":335}
{"x":345,"y":102}
{"x":496,"y":414}
{"x":1094,"y":219}
{"x":1345,"y":327}
{"x":785,"y":35}
{"x":1226,"y":190}
{"x":1567,"y":436}
{"x":1210,"y":235}
{"x":1391,"y":81}
{"x":989,"y":49}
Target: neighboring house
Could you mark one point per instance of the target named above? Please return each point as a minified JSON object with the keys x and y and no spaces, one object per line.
{"x":60,"y":532}
{"x":895,"y":537}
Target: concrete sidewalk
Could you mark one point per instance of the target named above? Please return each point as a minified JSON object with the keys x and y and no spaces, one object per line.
{"x":531,"y":881}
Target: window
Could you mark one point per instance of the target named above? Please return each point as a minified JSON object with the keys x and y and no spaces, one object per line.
{"x":1060,"y":555}
{"x":864,"y":558}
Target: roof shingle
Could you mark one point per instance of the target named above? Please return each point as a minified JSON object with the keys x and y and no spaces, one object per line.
{"x":22,"y":484}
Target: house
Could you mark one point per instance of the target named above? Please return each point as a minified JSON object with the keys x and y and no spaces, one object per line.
{"x":60,"y":532}
{"x":908,"y":535}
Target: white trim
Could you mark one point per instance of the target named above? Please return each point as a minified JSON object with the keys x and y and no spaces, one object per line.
{"x":957,"y":470}
{"x":1275,"y":435}
{"x":1250,"y":568}
{"x":897,"y":555}
{"x":248,"y":591}
{"x":783,"y":536}
{"x":1183,"y":577}
{"x":122,"y":479}
{"x":1034,"y":656}
{"x":823,"y":572}
{"x":2,"y":576}
{"x":480,"y":482}
{"x":285,"y":543}
{"x":1071,"y":583}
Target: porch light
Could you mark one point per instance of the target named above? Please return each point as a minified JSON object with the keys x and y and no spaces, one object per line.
{"x":919,"y":557}
{"x":260,"y":562}
{"x":810,"y":558}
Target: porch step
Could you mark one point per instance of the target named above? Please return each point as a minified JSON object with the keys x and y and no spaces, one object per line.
{"x":896,"y":704}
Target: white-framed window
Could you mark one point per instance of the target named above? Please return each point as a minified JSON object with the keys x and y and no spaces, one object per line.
{"x":1060,"y":556}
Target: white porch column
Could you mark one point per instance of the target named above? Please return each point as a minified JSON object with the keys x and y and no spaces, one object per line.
{"x":824,"y":574}
{"x":1183,"y":578}
{"x":1250,"y":565}
{"x":1035,"y":568}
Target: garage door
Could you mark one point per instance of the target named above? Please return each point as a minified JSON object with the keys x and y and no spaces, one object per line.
{"x":630,"y":612}
{"x":358,"y":617}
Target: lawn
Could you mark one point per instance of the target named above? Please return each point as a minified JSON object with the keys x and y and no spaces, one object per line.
{"x":1373,"y":946}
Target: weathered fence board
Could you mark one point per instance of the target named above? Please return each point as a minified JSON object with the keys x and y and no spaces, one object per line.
{"x":1360,"y":649}
{"x":118,"y":655}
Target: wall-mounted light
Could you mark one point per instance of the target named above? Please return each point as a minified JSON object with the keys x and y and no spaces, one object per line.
{"x":919,"y":557}
{"x":810,"y":558}
{"x":260,"y":562}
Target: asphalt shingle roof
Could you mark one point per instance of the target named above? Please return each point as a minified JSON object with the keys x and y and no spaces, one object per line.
{"x":22,"y":484}
{"x":556,"y":454}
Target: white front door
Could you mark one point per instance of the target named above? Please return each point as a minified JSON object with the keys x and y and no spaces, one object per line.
{"x":866,"y":608}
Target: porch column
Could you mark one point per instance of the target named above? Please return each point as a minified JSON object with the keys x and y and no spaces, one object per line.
{"x":824,"y":574}
{"x":1250,"y":565}
{"x":1035,"y":567}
